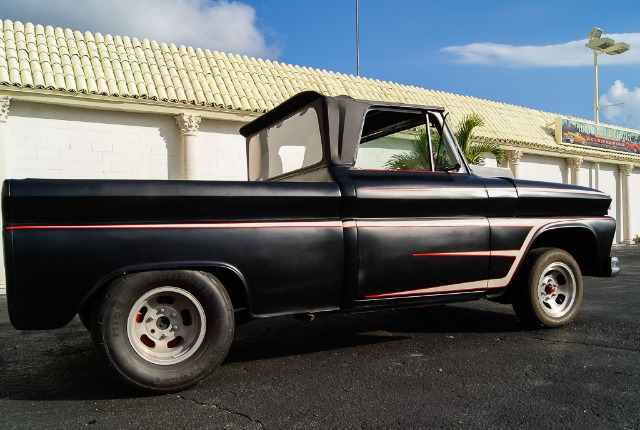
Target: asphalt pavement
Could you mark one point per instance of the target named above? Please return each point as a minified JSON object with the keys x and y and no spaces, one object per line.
{"x":471,"y":366}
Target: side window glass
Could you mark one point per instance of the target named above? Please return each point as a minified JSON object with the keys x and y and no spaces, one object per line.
{"x":403,"y":150}
{"x":292,"y":144}
{"x":404,"y":140}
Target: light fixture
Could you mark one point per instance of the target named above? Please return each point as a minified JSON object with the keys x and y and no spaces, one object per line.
{"x":601,"y":45}
{"x":617,"y":48}
{"x":595,"y":33}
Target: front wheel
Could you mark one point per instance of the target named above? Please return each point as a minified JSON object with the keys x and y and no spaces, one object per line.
{"x":163,"y":331}
{"x":549,"y":288}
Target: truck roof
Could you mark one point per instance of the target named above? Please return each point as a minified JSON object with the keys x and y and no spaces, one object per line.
{"x":304,"y":98}
{"x":340,"y":124}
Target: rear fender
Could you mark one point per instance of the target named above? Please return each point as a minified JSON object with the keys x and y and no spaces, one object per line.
{"x":231,"y":278}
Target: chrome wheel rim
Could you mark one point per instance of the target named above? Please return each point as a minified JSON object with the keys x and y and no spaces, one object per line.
{"x":166,"y":325}
{"x":557,"y":290}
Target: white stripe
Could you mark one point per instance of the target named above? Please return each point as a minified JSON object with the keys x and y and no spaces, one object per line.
{"x":294,"y":224}
{"x":535,"y":224}
{"x":479,"y":222}
{"x":454,"y":254}
{"x":560,"y":190}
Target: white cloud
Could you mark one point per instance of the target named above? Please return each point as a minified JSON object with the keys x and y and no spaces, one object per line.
{"x":570,"y":54}
{"x":220,"y":25}
{"x":627,"y":114}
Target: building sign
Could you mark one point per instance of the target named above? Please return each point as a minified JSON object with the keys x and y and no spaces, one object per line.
{"x":596,"y":136}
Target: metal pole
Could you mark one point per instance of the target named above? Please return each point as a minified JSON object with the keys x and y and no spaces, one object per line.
{"x":357,"y":42}
{"x":595,"y":86}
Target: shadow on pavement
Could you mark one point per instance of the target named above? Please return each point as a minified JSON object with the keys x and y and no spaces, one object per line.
{"x":282,"y":337}
{"x":61,"y":364}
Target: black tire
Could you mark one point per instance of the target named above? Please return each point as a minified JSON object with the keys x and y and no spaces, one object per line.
{"x":163,"y":331}
{"x":548,"y":292}
{"x":85,"y":317}
{"x":86,"y":312}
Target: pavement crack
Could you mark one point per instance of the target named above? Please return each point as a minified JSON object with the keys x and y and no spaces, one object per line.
{"x":221,"y":408}
{"x":618,"y":348}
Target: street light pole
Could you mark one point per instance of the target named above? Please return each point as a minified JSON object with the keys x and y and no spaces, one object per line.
{"x":596,"y":108}
{"x":357,"y":42}
{"x":601,"y":45}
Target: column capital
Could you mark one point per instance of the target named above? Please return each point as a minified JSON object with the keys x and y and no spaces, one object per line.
{"x":513,"y":161}
{"x":575,"y":163}
{"x":4,"y":108}
{"x":625,"y":169}
{"x":189,"y":124}
{"x":513,"y":156}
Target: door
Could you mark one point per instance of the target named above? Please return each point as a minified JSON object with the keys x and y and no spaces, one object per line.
{"x":421,"y":230}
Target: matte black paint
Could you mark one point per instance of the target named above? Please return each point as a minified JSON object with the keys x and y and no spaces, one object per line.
{"x":312,"y":241}
{"x":500,"y":266}
{"x":508,"y":238}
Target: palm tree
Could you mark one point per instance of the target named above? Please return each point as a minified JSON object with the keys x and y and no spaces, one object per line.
{"x":418,"y":158}
{"x":473,"y":152}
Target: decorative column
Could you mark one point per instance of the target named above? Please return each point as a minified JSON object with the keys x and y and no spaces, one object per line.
{"x":625,"y":172}
{"x":595,"y":176}
{"x":513,"y":161}
{"x":574,"y":164}
{"x":4,"y":116}
{"x":189,"y":125}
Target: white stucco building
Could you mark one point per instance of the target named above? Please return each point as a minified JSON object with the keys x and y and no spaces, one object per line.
{"x":83,"y":105}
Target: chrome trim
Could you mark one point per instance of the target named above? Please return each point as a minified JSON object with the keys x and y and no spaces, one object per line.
{"x":615,"y":266}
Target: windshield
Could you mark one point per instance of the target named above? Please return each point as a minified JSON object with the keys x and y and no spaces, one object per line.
{"x":445,"y":147}
{"x":292,"y":144}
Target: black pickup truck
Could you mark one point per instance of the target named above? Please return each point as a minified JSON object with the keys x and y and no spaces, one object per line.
{"x":161,"y":271}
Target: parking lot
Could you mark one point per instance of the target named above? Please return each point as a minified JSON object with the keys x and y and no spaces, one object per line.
{"x":464,"y":366}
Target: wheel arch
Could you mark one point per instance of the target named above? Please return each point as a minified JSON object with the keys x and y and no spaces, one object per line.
{"x":579,"y":240}
{"x":231,"y":278}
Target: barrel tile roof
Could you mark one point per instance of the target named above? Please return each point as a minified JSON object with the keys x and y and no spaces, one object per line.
{"x":61,"y":60}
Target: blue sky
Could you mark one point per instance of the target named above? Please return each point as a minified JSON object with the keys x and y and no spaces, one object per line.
{"x":528,"y":53}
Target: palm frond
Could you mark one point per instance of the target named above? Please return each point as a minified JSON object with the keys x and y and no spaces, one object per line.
{"x":476,"y":150}
{"x":464,"y":132}
{"x":420,"y":159}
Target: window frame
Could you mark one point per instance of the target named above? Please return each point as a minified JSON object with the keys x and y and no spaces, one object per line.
{"x":441,"y":126}
{"x":318,"y":108}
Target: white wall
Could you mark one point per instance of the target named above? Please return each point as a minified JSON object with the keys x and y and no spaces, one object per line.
{"x":374,"y":155}
{"x":634,"y":201}
{"x":585,"y":176}
{"x":608,"y":183}
{"x":490,"y":160}
{"x":541,"y":168}
{"x":222,"y":150}
{"x":45,"y":141}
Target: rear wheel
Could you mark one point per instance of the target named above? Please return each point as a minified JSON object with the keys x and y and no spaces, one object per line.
{"x":163,"y":331}
{"x":549,"y":288}
{"x":85,"y":317}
